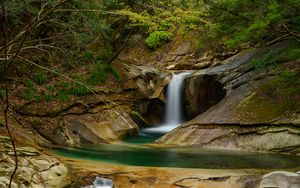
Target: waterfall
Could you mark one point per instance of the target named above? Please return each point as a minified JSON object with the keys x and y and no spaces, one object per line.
{"x":173,"y":116}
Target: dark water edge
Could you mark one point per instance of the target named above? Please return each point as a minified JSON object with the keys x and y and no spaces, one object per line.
{"x":143,"y":138}
{"x":139,"y":155}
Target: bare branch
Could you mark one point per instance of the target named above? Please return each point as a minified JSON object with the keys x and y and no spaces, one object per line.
{"x":34,"y":22}
{"x":6,"y":100}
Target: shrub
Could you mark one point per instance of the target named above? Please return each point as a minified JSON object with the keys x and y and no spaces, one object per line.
{"x":29,"y":90}
{"x":106,"y":54}
{"x":48,"y":97}
{"x":50,"y":88}
{"x":165,"y":25}
{"x":158,"y":38}
{"x":292,"y":54}
{"x":99,"y":73}
{"x":115,"y":73}
{"x":2,"y":93}
{"x":40,"y":78}
{"x":28,"y":83}
{"x":88,"y":55}
{"x":63,"y":95}
{"x":79,"y":90}
{"x":273,"y":57}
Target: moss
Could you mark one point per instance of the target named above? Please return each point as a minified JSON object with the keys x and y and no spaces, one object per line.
{"x":139,"y":116}
{"x":273,"y":99}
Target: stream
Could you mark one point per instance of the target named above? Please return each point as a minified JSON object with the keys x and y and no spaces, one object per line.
{"x":134,"y":153}
{"x":139,"y":151}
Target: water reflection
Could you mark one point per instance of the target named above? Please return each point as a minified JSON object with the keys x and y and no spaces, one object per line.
{"x":180,"y":157}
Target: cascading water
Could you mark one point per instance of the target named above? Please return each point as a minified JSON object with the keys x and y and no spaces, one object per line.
{"x":173,"y":113}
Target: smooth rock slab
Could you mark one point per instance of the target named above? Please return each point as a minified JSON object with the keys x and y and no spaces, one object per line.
{"x":280,"y":179}
{"x":280,"y":138}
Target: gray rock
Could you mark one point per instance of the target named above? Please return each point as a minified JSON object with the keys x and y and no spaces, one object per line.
{"x":202,"y":65}
{"x":34,"y":171}
{"x":183,"y":49}
{"x":280,"y":179}
{"x":236,"y":137}
{"x":220,"y":103}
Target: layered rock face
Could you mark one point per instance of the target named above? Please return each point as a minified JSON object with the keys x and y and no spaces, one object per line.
{"x":35,"y":169}
{"x":102,"y":117}
{"x":242,"y":107}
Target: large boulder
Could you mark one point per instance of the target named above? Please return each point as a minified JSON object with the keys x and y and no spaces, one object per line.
{"x":280,"y":179}
{"x":97,"y":132}
{"x":34,"y":171}
{"x":237,"y":92}
{"x":237,"y":106}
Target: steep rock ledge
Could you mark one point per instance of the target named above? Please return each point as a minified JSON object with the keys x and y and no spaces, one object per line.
{"x":259,"y":112}
{"x":280,"y":138}
{"x":100,"y":117}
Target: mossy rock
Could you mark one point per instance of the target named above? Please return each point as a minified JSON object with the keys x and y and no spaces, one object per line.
{"x":273,"y":100}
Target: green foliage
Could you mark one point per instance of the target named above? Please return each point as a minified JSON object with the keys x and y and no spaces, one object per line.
{"x":158,"y":38}
{"x":165,"y":25}
{"x":288,"y":74}
{"x":106,"y":53}
{"x":88,"y":55}
{"x":276,"y":56}
{"x":2,"y":93}
{"x":115,"y":73}
{"x":50,"y":88}
{"x":79,"y":90}
{"x":28,"y":83}
{"x":28,"y":94}
{"x":271,"y":58}
{"x":237,"y":22}
{"x":48,"y":97}
{"x":100,"y":72}
{"x":289,"y":81}
{"x":29,"y":90}
{"x":40,"y":78}
{"x":63,"y":95}
{"x":292,"y":54}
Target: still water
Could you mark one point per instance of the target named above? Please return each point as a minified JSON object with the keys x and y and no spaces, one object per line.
{"x":151,"y":156}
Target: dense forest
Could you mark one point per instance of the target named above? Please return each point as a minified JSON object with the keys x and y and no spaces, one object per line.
{"x":63,"y":59}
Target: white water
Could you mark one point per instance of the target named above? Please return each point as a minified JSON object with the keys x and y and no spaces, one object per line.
{"x":173,"y":114}
{"x":101,"y":183}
